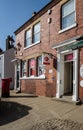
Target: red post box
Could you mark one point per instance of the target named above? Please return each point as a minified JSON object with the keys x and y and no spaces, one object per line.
{"x":6,"y":87}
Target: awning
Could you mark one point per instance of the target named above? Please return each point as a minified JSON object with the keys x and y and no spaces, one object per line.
{"x":74,"y":46}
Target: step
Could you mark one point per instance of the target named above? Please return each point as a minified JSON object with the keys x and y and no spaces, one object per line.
{"x":67,"y":100}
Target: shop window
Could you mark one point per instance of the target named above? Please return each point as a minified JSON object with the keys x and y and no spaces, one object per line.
{"x":68,"y":14}
{"x":28,"y":38}
{"x":32,"y":67}
{"x":41,"y":68}
{"x":36,"y":33}
{"x":23,"y":68}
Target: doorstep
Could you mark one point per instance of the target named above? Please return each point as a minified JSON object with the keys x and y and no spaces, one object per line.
{"x":67,"y":100}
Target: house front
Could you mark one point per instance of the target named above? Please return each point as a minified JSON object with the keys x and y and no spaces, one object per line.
{"x":6,"y":64}
{"x":48,"y":60}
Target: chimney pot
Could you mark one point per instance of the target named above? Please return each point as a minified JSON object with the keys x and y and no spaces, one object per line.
{"x":34,"y":13}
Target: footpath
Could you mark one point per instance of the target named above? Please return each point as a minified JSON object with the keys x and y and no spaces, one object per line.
{"x":28,"y":112}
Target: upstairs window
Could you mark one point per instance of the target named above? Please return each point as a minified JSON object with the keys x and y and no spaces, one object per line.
{"x":28,"y":38}
{"x":68,"y":14}
{"x":36,"y":33}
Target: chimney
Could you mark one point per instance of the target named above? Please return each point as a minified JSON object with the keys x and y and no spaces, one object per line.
{"x":8,"y":42}
{"x":33,"y":14}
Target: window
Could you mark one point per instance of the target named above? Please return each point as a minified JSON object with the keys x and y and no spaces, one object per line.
{"x":32,"y":35}
{"x":23,"y":68}
{"x":41,"y":68}
{"x":39,"y":65}
{"x":68,"y":14}
{"x":32,"y":67}
{"x":36,"y":33}
{"x":28,"y":37}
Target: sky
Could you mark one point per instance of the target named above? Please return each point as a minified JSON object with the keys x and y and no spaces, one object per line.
{"x":14,"y":13}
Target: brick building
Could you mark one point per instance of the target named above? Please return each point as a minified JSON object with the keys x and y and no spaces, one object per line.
{"x":49,"y":51}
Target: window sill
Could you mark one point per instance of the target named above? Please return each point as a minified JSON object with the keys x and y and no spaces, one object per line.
{"x":31,"y":45}
{"x":70,"y":27}
{"x":32,"y":77}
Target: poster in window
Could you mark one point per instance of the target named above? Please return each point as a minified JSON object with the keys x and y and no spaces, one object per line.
{"x":32,"y":63}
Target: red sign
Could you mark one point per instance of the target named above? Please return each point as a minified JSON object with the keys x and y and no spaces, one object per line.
{"x":46,"y":60}
{"x":68,"y":57}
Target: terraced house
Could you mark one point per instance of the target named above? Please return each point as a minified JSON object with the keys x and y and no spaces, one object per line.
{"x":49,"y":56}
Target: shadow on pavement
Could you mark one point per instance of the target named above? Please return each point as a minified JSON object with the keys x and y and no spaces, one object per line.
{"x":23,"y":96}
{"x":11,"y":111}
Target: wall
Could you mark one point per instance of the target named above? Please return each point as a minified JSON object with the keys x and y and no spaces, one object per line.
{"x":80,"y":78}
{"x":49,"y":36}
{"x":50,"y":32}
{"x":2,"y":65}
{"x":37,"y":87}
{"x":9,"y":66}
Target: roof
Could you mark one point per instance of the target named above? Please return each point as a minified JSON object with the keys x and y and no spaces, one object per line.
{"x":37,"y":15}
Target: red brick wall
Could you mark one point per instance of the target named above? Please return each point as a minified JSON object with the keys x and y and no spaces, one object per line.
{"x":50,"y":32}
{"x":49,"y":36}
{"x":80,"y":78}
{"x":28,"y":86}
{"x":42,"y":87}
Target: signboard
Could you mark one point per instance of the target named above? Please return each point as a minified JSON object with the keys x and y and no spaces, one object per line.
{"x":46,"y":60}
{"x":81,"y":71}
{"x":68,"y":57}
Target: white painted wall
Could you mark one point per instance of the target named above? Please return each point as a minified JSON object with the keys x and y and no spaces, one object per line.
{"x":2,"y":66}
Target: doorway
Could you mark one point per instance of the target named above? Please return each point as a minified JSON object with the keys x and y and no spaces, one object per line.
{"x":67,"y":74}
{"x":18,"y":75}
{"x":68,"y":78}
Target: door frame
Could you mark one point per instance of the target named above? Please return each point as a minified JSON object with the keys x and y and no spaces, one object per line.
{"x":17,"y":69}
{"x":60,"y":74}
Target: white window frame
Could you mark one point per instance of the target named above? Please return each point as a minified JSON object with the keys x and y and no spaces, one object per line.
{"x":36,"y":33}
{"x":41,"y":66}
{"x":42,"y":76}
{"x":24,"y":68}
{"x":28,"y":37}
{"x":72,"y":25}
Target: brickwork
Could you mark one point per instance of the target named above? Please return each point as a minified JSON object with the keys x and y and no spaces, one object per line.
{"x":28,"y":86}
{"x":49,"y":36}
{"x":42,"y":87}
{"x":80,"y":78}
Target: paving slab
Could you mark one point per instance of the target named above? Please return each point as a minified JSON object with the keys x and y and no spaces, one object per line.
{"x":21,"y":111}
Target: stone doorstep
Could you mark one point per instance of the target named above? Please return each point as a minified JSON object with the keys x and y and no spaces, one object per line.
{"x":67,"y":100}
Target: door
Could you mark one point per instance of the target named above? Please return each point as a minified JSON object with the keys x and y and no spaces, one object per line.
{"x":17,"y":79}
{"x":68,"y":77}
{"x":18,"y":76}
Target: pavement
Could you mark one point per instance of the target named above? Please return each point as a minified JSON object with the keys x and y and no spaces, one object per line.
{"x":21,"y":111}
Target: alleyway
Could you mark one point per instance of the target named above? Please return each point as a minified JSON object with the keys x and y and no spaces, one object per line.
{"x":22,"y":111}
